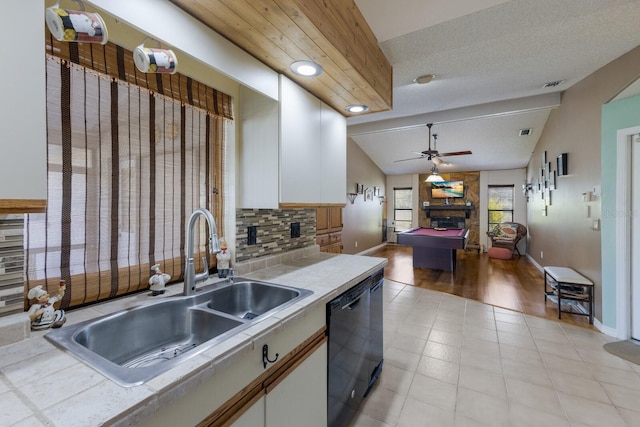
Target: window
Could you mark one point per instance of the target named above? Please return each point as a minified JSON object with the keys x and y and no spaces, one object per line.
{"x":402,"y":210}
{"x":128,"y":161}
{"x":500,"y":204}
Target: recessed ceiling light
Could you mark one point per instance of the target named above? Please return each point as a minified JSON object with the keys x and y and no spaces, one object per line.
{"x":306,"y":68}
{"x":423,"y":80}
{"x":357,"y":108}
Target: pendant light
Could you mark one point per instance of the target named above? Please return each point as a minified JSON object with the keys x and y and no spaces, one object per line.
{"x":435,"y":175}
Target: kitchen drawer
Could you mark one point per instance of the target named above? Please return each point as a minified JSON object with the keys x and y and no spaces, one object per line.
{"x":335,"y":238}
{"x":322,"y":240}
{"x":333,"y":249}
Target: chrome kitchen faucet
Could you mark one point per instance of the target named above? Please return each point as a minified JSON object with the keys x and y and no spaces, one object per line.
{"x":190,"y":276}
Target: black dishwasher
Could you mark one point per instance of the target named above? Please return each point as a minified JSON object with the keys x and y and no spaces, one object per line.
{"x":355,"y":353}
{"x":375,"y":356}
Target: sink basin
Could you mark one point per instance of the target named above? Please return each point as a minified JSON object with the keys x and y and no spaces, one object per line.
{"x":250,"y":299}
{"x":134,"y":345}
{"x":159,"y":328}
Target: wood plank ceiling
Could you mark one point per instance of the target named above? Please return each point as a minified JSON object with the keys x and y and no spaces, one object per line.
{"x":333,"y":33}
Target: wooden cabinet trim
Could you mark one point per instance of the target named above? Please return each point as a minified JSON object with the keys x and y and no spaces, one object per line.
{"x":310,"y":205}
{"x":17,"y":206}
{"x":233,"y":408}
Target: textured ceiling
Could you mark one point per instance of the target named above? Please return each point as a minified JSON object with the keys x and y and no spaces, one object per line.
{"x":483,"y":53}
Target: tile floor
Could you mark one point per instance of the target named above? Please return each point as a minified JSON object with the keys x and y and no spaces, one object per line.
{"x":450,"y":361}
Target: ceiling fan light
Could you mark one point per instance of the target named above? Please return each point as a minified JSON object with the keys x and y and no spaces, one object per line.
{"x":434,"y":177}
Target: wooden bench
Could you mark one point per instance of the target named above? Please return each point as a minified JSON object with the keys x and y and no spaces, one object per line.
{"x":562,"y":283}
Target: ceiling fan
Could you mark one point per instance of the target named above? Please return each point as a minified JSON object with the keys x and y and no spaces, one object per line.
{"x":434,"y":155}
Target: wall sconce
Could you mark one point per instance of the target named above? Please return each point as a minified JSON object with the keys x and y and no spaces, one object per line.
{"x":352,"y":197}
{"x":155,"y":60}
{"x":75,"y":25}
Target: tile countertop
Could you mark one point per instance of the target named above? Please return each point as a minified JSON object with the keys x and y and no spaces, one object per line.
{"x":41,"y":384}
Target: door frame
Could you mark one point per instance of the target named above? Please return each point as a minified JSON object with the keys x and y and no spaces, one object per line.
{"x":623,"y":228}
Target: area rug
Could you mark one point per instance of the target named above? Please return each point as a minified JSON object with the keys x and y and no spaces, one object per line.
{"x":628,"y":350}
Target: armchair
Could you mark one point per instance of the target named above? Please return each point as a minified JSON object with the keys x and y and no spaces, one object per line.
{"x":507,"y":235}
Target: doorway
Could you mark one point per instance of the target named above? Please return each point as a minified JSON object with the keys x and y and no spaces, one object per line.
{"x":628,"y":234}
{"x":635,"y":237}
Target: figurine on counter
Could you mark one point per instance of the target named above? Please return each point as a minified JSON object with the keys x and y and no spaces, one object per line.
{"x":223,"y":257}
{"x":42,"y":313}
{"x":158,"y":280}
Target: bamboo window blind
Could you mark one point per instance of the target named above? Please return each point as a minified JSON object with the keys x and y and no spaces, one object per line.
{"x":130,"y":156}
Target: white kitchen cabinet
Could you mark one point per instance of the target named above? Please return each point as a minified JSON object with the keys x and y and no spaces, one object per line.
{"x":258,"y":155}
{"x":293,"y":154}
{"x":254,"y":416}
{"x":313,"y":149}
{"x":333,"y":156}
{"x":301,"y":398}
{"x":300,"y":161}
{"x":245,"y":373}
{"x":23,"y":164}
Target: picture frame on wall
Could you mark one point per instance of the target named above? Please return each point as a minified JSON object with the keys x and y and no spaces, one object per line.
{"x":562,"y":164}
{"x":368,"y":195}
{"x":552,"y":180}
{"x":547,"y":197}
{"x":542,"y":182}
{"x":547,"y":173}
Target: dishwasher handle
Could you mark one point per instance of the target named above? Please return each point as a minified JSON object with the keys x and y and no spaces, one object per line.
{"x":351,"y":305}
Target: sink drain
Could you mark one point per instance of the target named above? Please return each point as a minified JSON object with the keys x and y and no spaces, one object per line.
{"x":153,"y":358}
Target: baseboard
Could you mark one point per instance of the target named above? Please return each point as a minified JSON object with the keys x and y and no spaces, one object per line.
{"x":612,"y":332}
{"x":373,"y":249}
{"x":535,"y":264}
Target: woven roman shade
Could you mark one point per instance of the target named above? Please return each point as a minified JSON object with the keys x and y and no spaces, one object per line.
{"x":130,"y":156}
{"x":117,"y":62}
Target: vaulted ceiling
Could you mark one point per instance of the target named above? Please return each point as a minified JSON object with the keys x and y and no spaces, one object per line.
{"x":491,"y":60}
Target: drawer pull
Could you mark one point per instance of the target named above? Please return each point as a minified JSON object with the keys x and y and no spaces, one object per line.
{"x":265,"y":356}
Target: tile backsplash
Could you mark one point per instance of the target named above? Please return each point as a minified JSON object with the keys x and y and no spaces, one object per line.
{"x":11,"y":264}
{"x":273,"y":231}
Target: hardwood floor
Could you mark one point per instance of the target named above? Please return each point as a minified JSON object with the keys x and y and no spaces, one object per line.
{"x":514,"y":284}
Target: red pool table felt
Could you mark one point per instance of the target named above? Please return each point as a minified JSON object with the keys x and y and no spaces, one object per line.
{"x":433,"y":248}
{"x":450,"y":232}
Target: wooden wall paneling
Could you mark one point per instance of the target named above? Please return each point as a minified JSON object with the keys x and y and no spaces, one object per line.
{"x":334,"y":33}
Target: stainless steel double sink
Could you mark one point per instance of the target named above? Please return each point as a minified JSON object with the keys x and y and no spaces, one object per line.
{"x":136,"y":344}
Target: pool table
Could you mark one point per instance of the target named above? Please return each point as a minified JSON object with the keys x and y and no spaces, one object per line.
{"x":434,"y":248}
